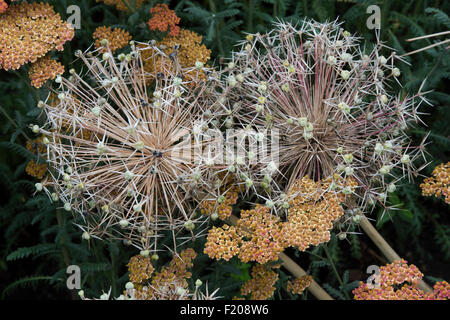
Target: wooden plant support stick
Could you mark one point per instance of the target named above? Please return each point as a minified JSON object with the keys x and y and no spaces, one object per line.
{"x":385,"y":248}
{"x":297,"y":272}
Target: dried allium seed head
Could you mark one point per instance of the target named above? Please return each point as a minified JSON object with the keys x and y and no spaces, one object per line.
{"x":129,"y":154}
{"x":329,"y":103}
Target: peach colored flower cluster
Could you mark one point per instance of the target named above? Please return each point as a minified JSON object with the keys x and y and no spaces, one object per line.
{"x":44,"y":69}
{"x":261,"y":286}
{"x":261,"y":236}
{"x":34,"y":168}
{"x":164,"y":19}
{"x":187,"y":46}
{"x":439,"y":184}
{"x":3,"y":6}
{"x":29,"y":32}
{"x":121,"y":4}
{"x":140,"y":268}
{"x":117,"y":38}
{"x":299,"y":285}
{"x":313,"y":210}
{"x":399,"y":281}
{"x":223,"y":205}
{"x":169,"y":283}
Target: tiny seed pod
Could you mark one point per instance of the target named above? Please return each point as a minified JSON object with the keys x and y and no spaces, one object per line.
{"x":123,"y":223}
{"x":342,"y":236}
{"x":129,"y":286}
{"x":145,"y":253}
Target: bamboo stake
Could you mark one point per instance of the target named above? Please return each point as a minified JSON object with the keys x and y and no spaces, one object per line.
{"x":385,"y":248}
{"x":297,"y":272}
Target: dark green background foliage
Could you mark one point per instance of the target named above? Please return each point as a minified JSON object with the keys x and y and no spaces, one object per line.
{"x":39,"y":240}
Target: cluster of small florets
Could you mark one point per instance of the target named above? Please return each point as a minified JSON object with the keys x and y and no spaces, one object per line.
{"x":37,"y":147}
{"x":187,"y":47}
{"x":222,"y":242}
{"x":44,"y":69}
{"x":257,"y":237}
{"x":163,"y":19}
{"x":439,"y":184}
{"x":115,"y":39}
{"x":121,"y":4}
{"x":399,"y":281}
{"x":116,"y":160}
{"x":264,"y":234}
{"x":261,"y":236}
{"x":314,"y":207}
{"x":168,"y":284}
{"x":3,"y":6}
{"x":222,"y":206}
{"x":261,"y":285}
{"x":140,"y":268}
{"x":299,"y":285}
{"x":29,"y":32}
{"x":328,"y":103}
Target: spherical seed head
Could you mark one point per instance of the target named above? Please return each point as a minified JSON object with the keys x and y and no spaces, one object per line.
{"x":129,"y":285}
{"x":132,"y":172}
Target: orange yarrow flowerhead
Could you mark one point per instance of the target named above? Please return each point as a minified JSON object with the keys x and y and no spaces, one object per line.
{"x":29,"y":31}
{"x":116,"y":38}
{"x":439,"y":184}
{"x":261,"y":286}
{"x":260,"y":235}
{"x":299,"y":285}
{"x":121,"y":4}
{"x":164,"y":19}
{"x":188,"y":49}
{"x":44,"y":69}
{"x":3,"y":6}
{"x":399,"y":281}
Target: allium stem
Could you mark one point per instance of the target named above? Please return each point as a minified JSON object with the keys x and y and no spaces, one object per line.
{"x":385,"y":248}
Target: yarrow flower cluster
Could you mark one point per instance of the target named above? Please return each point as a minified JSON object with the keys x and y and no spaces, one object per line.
{"x":328,"y":102}
{"x":121,"y":5}
{"x":34,"y":168}
{"x":439,"y":184}
{"x":3,"y":6}
{"x":170,"y":283}
{"x":123,"y":163}
{"x":163,"y":19}
{"x":261,"y":285}
{"x":399,"y":281}
{"x":299,"y":285}
{"x":187,"y":47}
{"x":29,"y":32}
{"x":261,"y":236}
{"x":116,"y":38}
{"x":44,"y":69}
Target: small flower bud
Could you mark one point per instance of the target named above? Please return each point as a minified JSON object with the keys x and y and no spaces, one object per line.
{"x":123,"y":223}
{"x":38,"y":187}
{"x":129,"y":286}
{"x":145,"y":253}
{"x":85,"y":236}
{"x":342,"y":236}
{"x":198,"y":65}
